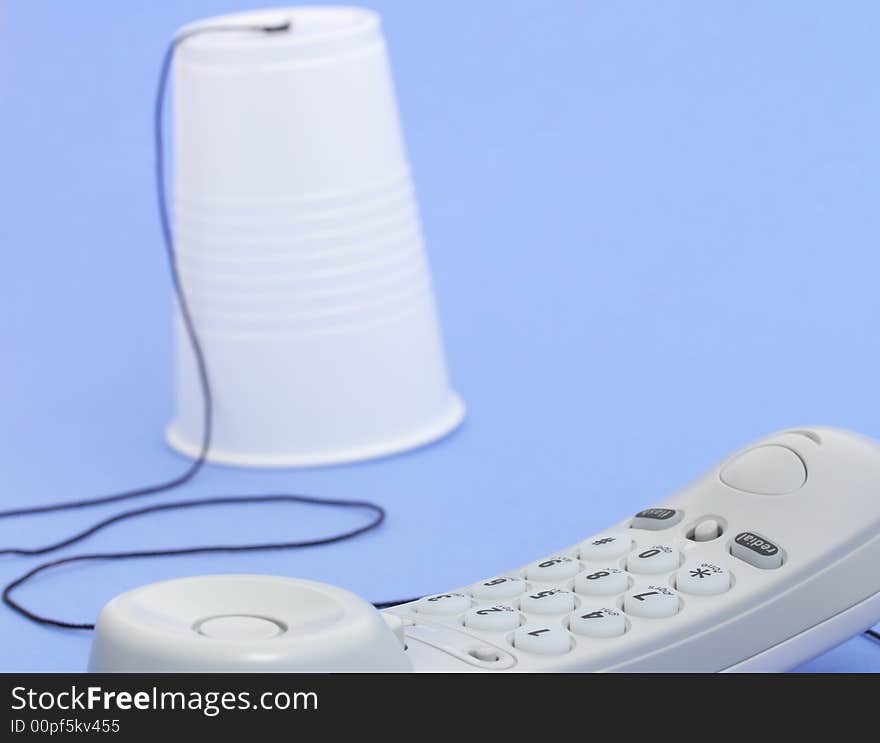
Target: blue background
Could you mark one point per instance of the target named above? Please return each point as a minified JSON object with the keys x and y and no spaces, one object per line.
{"x":653,"y":230}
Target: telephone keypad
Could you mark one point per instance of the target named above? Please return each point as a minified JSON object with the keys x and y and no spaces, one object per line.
{"x":606,"y":587}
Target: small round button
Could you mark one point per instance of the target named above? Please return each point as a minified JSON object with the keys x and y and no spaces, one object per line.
{"x":553,"y":569}
{"x":239,"y":628}
{"x":603,"y":622}
{"x":702,"y":579}
{"x":652,"y":560}
{"x":443,"y":604}
{"x":653,"y":602}
{"x":549,"y":601}
{"x":498,"y":618}
{"x":604,"y":582}
{"x":502,"y":587}
{"x":542,"y":640}
{"x":605,"y":547}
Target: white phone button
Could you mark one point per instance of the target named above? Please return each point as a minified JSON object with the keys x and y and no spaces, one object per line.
{"x":240,"y":628}
{"x":543,"y":640}
{"x":601,"y":582}
{"x":604,"y":622}
{"x":547,"y":601}
{"x":553,"y":569}
{"x":443,"y":604}
{"x":502,"y":587}
{"x":651,"y":560}
{"x":605,"y":547}
{"x":652,"y":602}
{"x":498,"y":618}
{"x":702,"y":579}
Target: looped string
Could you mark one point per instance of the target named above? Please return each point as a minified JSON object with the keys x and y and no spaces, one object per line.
{"x":376,"y":511}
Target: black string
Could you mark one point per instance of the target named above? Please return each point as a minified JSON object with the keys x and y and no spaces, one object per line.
{"x":378,"y":513}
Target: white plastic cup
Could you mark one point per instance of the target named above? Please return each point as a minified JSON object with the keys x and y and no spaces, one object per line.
{"x":300,"y":249}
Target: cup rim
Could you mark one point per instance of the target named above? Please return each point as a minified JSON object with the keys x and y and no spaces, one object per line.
{"x":318,"y":32}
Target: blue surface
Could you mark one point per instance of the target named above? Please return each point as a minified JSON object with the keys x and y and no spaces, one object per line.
{"x":653,"y":231}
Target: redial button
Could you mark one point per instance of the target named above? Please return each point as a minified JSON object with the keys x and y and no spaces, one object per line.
{"x":756,"y":550}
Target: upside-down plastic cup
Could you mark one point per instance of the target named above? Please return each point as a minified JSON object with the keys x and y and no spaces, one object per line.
{"x":299,"y":247}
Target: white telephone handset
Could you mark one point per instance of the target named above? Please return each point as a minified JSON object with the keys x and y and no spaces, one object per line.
{"x":764,"y":562}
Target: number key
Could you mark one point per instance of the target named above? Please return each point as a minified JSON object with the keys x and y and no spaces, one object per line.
{"x":553,"y":569}
{"x":546,"y":640}
{"x":443,"y":604}
{"x":549,"y":601}
{"x":602,"y":582}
